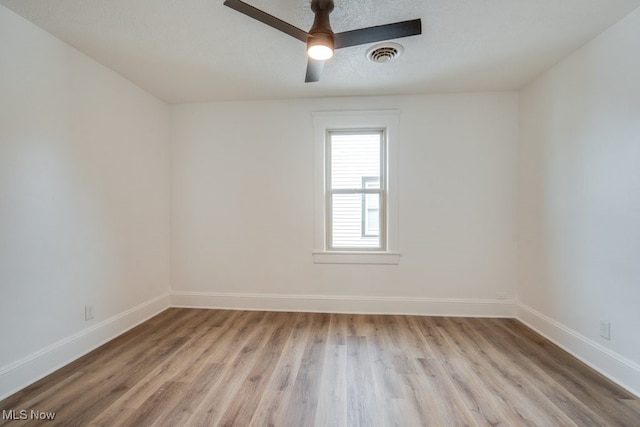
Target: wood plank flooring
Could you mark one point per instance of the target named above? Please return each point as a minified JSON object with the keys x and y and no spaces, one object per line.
{"x":188,"y":367}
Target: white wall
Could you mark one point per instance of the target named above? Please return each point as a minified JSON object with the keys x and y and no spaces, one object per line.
{"x":84,"y":202}
{"x":242,"y":207}
{"x":580,"y":202}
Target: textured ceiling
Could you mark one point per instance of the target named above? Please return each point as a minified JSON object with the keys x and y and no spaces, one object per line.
{"x":200,"y":50}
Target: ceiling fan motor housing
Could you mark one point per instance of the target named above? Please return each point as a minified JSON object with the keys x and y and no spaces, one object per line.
{"x":321,"y":32}
{"x":321,"y":9}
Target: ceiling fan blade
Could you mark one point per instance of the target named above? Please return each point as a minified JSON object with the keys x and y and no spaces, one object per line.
{"x":378,"y":33}
{"x":265,"y":18}
{"x":314,"y":69}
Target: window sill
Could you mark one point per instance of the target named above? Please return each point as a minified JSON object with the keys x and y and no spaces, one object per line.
{"x":384,"y":258}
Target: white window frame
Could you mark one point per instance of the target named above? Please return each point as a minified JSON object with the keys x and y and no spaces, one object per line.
{"x":349,"y":121}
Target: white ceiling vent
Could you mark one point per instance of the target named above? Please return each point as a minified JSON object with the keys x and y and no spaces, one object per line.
{"x":384,"y":52}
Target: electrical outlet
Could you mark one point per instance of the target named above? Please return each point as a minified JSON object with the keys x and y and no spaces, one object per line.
{"x":605,"y":329}
{"x":88,"y":312}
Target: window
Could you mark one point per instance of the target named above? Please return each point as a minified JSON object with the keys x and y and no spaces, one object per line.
{"x":356,"y":187}
{"x":355,"y":171}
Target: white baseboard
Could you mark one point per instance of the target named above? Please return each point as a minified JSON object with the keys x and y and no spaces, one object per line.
{"x":30,"y":369}
{"x":609,"y":363}
{"x":345,"y":304}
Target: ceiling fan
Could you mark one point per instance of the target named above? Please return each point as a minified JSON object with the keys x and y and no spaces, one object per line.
{"x":321,"y":40}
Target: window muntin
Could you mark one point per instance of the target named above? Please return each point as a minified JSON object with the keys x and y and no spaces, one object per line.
{"x":355,"y":190}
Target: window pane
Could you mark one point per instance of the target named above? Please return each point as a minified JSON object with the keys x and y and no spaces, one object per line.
{"x":355,"y":159}
{"x":354,"y":224}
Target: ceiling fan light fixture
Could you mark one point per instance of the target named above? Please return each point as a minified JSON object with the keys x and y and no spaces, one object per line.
{"x":320,"y":46}
{"x":320,"y":52}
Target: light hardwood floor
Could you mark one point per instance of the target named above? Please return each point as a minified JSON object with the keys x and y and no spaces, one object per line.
{"x":188,"y":367}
